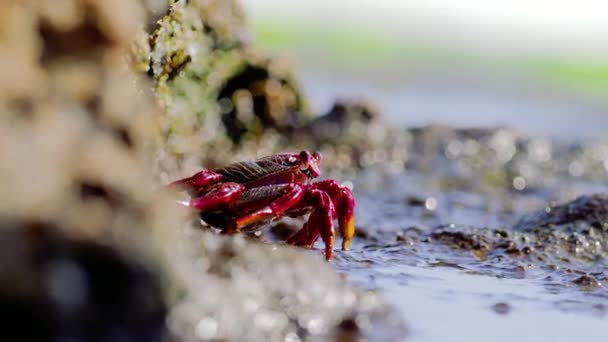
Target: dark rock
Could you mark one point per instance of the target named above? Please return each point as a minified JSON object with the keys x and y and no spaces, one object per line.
{"x":501,"y":308}
{"x":462,"y":240}
{"x":587,"y":281}
{"x":282,"y":230}
{"x":275,"y":101}
{"x":414,"y":201}
{"x":56,"y":288}
{"x":591,"y":210}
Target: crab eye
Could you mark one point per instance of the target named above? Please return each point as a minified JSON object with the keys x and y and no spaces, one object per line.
{"x":304,"y":157}
{"x":317,"y":156}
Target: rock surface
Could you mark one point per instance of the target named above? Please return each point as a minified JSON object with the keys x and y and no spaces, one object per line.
{"x":78,"y":135}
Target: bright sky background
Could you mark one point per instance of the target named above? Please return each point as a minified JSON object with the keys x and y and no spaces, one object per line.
{"x":573,"y":27}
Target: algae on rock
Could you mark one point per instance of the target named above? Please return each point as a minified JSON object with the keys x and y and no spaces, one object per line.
{"x":215,"y":90}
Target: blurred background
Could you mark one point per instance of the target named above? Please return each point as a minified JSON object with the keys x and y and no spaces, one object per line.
{"x":456,"y":227}
{"x":538,"y":66}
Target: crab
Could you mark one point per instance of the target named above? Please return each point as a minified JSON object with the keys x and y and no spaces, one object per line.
{"x":245,"y":196}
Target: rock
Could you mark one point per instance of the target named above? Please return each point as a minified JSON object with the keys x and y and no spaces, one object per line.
{"x":586,"y":281}
{"x":78,"y":233}
{"x":53,"y":287}
{"x":218,"y":94}
{"x":501,"y":308}
{"x":462,"y":240}
{"x":580,"y":226}
{"x":239,"y":290}
{"x":591,"y":210}
{"x":77,"y":135}
{"x":259,"y":97}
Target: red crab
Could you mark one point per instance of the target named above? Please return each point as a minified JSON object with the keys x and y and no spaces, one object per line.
{"x":244,"y":196}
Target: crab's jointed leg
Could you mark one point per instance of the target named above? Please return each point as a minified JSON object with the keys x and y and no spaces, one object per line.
{"x":293,"y":194}
{"x":222,"y":194}
{"x":344,"y":203}
{"x":320,"y":223}
{"x":306,"y":236}
{"x":201,"y":179}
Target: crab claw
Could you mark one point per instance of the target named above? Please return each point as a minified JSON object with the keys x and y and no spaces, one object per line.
{"x":320,"y":223}
{"x":344,"y":202}
{"x":346,"y":217}
{"x":201,"y":179}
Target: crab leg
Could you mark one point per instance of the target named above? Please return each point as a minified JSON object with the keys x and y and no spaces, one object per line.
{"x":320,"y":222}
{"x":293,"y":194}
{"x":306,"y":236}
{"x":218,"y":196}
{"x":199,"y":180}
{"x":344,"y":203}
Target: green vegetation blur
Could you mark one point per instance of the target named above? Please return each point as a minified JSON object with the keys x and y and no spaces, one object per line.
{"x":377,"y":36}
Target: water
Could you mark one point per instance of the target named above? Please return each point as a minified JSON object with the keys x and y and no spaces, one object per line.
{"x":448,"y":295}
{"x":454,"y":294}
{"x":450,"y":305}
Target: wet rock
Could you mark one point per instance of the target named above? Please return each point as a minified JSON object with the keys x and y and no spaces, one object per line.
{"x":352,"y":135}
{"x":53,"y":287}
{"x":501,"y":308}
{"x":587,"y":282}
{"x":254,"y":291}
{"x":362,"y":233}
{"x":344,"y":111}
{"x":415,"y":201}
{"x":283,"y":230}
{"x":409,"y":235}
{"x":509,"y":247}
{"x":218,"y":94}
{"x":500,"y":159}
{"x":74,"y":129}
{"x":462,"y":240}
{"x":443,"y":263}
{"x":258,"y":98}
{"x":580,"y":226}
{"x":590,"y":210}
{"x":331,"y":126}
{"x":74,"y":136}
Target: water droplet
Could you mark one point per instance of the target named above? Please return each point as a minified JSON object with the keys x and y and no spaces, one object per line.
{"x":206,"y":328}
{"x":430,"y":203}
{"x":519,"y":183}
{"x":576,"y":168}
{"x":454,"y":149}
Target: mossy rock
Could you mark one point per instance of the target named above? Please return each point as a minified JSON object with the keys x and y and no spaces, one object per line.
{"x":215,"y":89}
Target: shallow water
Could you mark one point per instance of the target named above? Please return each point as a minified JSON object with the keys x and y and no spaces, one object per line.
{"x":448,"y":295}
{"x":454,"y":294}
{"x":450,"y":305}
